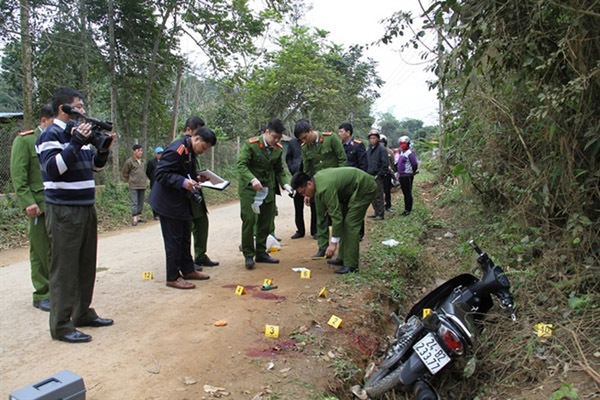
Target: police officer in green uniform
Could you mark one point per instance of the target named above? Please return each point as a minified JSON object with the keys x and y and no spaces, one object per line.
{"x":199,"y":221}
{"x":27,"y":181}
{"x":260,"y":167}
{"x":345,"y":193}
{"x":319,"y":151}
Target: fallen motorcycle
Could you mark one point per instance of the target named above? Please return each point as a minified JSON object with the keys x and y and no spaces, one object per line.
{"x":439,"y":328}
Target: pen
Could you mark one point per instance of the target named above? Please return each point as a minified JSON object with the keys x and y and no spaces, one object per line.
{"x":35,"y":220}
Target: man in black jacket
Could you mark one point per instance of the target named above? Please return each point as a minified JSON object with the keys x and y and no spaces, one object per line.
{"x":377,"y":160}
{"x":293,"y":159}
{"x":170,"y":198}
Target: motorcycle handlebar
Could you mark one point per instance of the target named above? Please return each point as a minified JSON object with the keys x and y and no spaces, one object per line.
{"x":475,"y":247}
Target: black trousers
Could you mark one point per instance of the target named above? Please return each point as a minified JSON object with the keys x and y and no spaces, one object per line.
{"x":176,"y":235}
{"x":387,"y":190}
{"x":406,"y":183}
{"x":299,"y":215}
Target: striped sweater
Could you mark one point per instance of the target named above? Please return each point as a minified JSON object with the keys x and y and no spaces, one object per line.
{"x":67,"y":168}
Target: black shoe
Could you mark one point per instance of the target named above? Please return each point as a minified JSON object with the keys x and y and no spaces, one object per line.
{"x":43,"y":305}
{"x":197,"y":267}
{"x":249,"y":263}
{"x":319,"y":254}
{"x":372,"y":216}
{"x":335,"y":261}
{"x":297,"y":235}
{"x":97,"y":323}
{"x":389,"y":209}
{"x":344,"y":270}
{"x":207,"y":262}
{"x":379,"y":218}
{"x":265,"y":258}
{"x":75,"y":337}
{"x":405,"y":213}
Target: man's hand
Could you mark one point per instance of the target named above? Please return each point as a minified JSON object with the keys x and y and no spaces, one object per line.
{"x":33,"y":210}
{"x":113,"y":135}
{"x":202,"y":178}
{"x":256,"y":185}
{"x":189,"y":184}
{"x":81,"y":134}
{"x":307,"y":201}
{"x":331,"y":249}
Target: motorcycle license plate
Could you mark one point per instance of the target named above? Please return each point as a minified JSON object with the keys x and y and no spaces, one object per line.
{"x":430,"y":352}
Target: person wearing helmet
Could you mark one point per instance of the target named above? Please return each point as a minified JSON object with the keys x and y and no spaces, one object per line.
{"x":407,"y":169}
{"x":151,"y":167}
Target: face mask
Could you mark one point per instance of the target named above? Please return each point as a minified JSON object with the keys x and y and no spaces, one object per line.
{"x":404,"y":146}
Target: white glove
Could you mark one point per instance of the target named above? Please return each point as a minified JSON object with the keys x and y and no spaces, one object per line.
{"x":288,"y":188}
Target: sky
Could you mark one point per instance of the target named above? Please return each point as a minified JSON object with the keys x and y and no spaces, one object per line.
{"x":405,"y":93}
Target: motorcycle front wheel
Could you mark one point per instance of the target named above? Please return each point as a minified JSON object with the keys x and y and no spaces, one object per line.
{"x":380,"y":383}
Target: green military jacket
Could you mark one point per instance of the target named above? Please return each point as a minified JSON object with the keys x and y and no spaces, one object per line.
{"x":199,"y":209}
{"x":25,"y":171}
{"x":344,"y":185}
{"x":326,"y":152}
{"x":257,"y":161}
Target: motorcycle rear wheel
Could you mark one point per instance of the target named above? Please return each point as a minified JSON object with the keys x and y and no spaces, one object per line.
{"x":377,"y":386}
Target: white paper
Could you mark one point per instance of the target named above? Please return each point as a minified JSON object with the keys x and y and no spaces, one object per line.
{"x":391,"y":242}
{"x":214,"y":181}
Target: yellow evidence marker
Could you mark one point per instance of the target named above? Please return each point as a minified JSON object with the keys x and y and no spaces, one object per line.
{"x":544,"y":330}
{"x":323,"y":292}
{"x":147,"y":275}
{"x":268,"y":282}
{"x":240,"y":290}
{"x":305,"y":274}
{"x":272,"y":331}
{"x":426,"y":312}
{"x":334,"y":321}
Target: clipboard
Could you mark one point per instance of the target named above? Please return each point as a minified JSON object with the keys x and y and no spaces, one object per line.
{"x":214,"y":181}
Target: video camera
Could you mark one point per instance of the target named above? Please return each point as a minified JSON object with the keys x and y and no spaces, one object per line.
{"x":98,"y":138}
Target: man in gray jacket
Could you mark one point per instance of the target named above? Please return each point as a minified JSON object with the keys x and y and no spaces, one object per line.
{"x":377,"y":160}
{"x":134,"y":174}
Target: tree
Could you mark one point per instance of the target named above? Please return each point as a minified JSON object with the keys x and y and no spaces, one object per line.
{"x":519,"y":81}
{"x":309,"y":77}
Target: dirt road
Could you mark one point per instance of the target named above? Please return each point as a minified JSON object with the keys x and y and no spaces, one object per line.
{"x":164,"y":344}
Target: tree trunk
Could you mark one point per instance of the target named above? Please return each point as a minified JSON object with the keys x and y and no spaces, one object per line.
{"x":176,"y":102}
{"x":113,"y":87}
{"x":152,"y":74}
{"x":86,"y":65}
{"x":28,"y":119}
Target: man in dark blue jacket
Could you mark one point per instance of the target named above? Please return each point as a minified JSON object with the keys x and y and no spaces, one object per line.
{"x":175,"y":186}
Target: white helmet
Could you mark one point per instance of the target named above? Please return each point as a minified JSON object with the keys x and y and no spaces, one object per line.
{"x":404,"y":139}
{"x":382,"y":137}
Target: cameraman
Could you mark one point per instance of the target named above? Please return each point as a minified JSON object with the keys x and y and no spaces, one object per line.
{"x":175,"y":186}
{"x":68,"y":162}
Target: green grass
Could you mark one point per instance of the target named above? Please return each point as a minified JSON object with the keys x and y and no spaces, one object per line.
{"x":383,"y":267}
